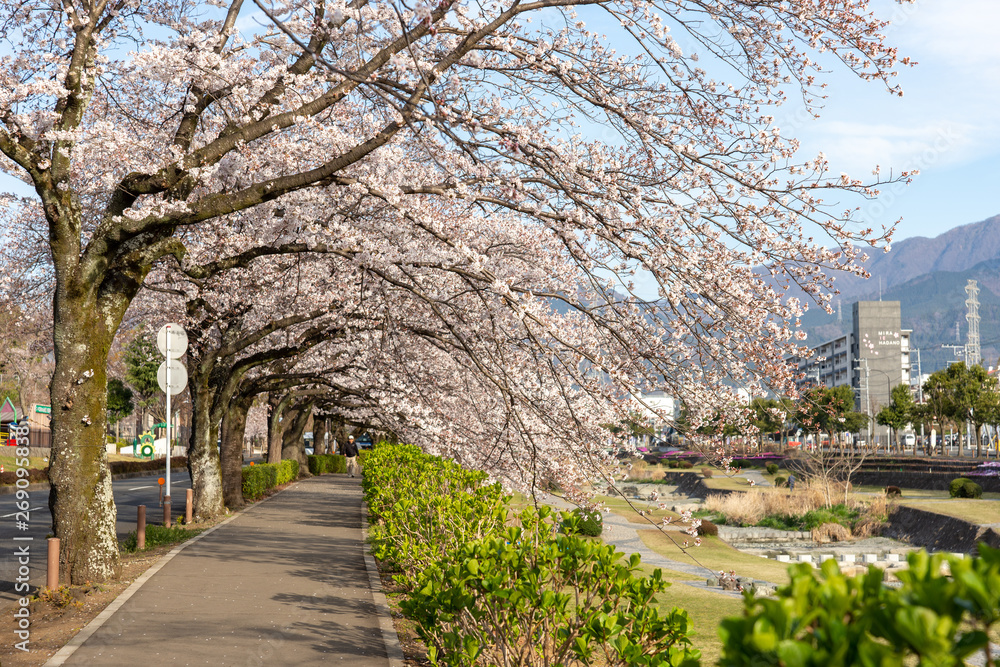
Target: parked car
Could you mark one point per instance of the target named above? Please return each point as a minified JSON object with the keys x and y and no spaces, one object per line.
{"x":909,"y":440}
{"x":364,"y":441}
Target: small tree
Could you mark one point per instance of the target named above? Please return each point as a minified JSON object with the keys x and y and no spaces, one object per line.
{"x":142,"y":359}
{"x":900,"y":411}
{"x":120,"y":404}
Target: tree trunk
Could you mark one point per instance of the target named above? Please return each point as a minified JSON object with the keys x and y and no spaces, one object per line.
{"x":275,"y":425}
{"x":203,"y":448}
{"x":234,"y":426}
{"x":292,"y":445}
{"x":81,"y":498}
{"x":319,"y":434}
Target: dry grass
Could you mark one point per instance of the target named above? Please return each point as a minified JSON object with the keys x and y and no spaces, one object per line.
{"x":750,"y":507}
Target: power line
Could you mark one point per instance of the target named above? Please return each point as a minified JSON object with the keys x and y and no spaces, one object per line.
{"x":972,"y":352}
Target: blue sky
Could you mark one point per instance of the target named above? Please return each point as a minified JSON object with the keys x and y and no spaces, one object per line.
{"x":947,"y":124}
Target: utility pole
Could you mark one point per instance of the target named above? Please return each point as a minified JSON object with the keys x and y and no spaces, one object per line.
{"x":920,"y":397}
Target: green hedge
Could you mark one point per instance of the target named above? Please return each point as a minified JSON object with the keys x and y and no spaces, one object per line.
{"x":324,"y":463}
{"x":259,"y":479}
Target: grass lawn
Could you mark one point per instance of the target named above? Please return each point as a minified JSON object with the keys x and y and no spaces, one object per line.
{"x":622,"y":508}
{"x":716,"y":555}
{"x":976,"y":511}
{"x":706,"y":609}
{"x":34,"y":462}
{"x":728,"y":483}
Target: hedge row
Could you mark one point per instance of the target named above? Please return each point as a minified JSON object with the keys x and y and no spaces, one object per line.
{"x":324,"y":463}
{"x":259,"y":479}
{"x":117,"y":468}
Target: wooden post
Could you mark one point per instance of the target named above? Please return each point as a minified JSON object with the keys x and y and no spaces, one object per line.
{"x":190,"y":507}
{"x":140,"y":528}
{"x":52,"y":573}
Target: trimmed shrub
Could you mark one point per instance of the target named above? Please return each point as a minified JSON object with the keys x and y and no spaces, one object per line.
{"x":707,"y":473}
{"x":259,"y":479}
{"x":584,"y":522}
{"x":955,"y":488}
{"x":772,"y":468}
{"x":893,"y":491}
{"x":779,"y":481}
{"x":708,"y":528}
{"x":685,"y":465}
{"x":320,"y":464}
{"x":157,"y":536}
{"x":971,"y":490}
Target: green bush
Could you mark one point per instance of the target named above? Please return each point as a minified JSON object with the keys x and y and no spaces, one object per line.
{"x":685,"y":465}
{"x":779,"y":481}
{"x":157,"y":536}
{"x":955,"y":487}
{"x":259,"y":479}
{"x":524,"y":591}
{"x":288,"y":470}
{"x":827,"y":618}
{"x":584,"y":522}
{"x":772,"y":468}
{"x":320,"y":464}
{"x":971,"y":490}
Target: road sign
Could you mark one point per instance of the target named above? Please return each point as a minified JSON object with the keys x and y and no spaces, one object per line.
{"x":178,"y":341}
{"x":178,"y":376}
{"x":43,"y":409}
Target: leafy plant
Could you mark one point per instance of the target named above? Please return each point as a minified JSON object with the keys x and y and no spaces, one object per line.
{"x":584,"y":522}
{"x":60,"y":597}
{"x":772,"y":468}
{"x":829,"y":619}
{"x":533,"y":595}
{"x":955,"y":487}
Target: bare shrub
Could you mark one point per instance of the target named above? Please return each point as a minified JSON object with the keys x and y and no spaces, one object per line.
{"x":831,"y":532}
{"x":752,"y":506}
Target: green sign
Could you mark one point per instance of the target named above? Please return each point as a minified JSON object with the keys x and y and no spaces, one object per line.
{"x":43,"y":409}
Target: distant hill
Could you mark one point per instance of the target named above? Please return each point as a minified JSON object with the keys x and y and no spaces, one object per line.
{"x":958,"y":249}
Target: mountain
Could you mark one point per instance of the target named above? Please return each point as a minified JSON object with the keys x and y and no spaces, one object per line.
{"x":958,"y":249}
{"x":931,"y":305}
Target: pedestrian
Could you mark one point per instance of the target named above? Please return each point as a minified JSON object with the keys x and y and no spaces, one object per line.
{"x":351,"y":452}
{"x":791,"y":482}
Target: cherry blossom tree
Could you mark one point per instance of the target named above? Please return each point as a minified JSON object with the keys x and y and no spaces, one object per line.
{"x":139,"y":123}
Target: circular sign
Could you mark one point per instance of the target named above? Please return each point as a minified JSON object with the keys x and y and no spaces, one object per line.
{"x":146,"y":451}
{"x":178,"y":341}
{"x":178,"y":376}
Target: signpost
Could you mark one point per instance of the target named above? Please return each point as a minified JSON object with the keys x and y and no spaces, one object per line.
{"x":172,"y":341}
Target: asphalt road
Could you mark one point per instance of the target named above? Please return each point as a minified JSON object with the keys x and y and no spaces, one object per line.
{"x":129,"y":494}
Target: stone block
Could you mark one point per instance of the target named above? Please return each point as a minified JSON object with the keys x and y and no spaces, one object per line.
{"x":846,"y":558}
{"x":825,"y":557}
{"x":871,"y":558}
{"x":893,"y":558}
{"x":805,"y":558}
{"x":784,"y":558}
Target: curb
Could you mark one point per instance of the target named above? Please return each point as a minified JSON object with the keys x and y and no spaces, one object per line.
{"x":393,"y":650}
{"x":67,"y":651}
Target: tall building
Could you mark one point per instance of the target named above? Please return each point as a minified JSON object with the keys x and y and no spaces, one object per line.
{"x":872,"y":359}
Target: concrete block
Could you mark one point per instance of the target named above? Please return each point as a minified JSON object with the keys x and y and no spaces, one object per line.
{"x":805,"y":558}
{"x":893,"y":558}
{"x":846,"y":558}
{"x":784,"y":558}
{"x":825,"y":557}
{"x":871,"y":558}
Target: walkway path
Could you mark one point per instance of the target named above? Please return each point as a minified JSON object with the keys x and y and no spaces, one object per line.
{"x":283,"y":583}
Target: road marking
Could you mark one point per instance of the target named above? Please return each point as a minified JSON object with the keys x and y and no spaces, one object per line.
{"x":31,"y":510}
{"x":138,"y":488}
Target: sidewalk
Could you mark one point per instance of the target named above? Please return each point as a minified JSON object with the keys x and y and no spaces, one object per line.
{"x":283,"y":583}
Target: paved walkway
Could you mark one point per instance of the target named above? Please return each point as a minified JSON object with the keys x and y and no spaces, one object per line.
{"x":283,"y":583}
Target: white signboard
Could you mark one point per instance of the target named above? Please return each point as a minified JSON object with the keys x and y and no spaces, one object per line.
{"x":178,"y":376}
{"x":178,"y":341}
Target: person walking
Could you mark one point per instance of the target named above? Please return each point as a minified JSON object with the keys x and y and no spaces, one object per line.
{"x":351,"y":452}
